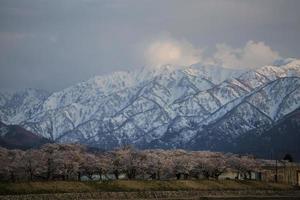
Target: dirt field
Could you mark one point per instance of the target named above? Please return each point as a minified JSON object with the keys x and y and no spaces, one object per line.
{"x":162,"y":190}
{"x":162,"y":195}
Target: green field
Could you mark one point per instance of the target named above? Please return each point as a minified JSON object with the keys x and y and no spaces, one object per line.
{"x":136,"y":185}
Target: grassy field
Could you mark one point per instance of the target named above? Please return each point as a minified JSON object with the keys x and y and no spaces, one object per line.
{"x":51,"y":187}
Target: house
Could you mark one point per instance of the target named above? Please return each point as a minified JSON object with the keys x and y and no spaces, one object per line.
{"x":228,"y":175}
{"x":232,"y":174}
{"x":96,"y":177}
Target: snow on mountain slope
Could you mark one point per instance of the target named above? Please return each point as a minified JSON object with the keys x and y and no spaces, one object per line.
{"x":101,"y":99}
{"x":19,"y":106}
{"x":4,"y":97}
{"x":240,"y":116}
{"x":148,"y":105}
{"x":210,"y":100}
{"x":3,"y":129}
{"x":265,"y":100}
{"x":269,"y":100}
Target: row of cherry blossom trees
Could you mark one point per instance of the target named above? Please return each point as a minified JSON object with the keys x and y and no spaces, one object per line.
{"x":72,"y":161}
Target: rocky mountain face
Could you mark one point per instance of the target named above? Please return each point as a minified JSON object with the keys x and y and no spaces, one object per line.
{"x":275,"y":142}
{"x":195,"y":107}
{"x":18,"y":106}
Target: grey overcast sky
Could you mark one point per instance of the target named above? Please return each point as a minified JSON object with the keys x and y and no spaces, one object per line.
{"x":51,"y":44}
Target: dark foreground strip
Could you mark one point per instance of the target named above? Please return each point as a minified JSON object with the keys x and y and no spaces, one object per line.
{"x":165,"y":195}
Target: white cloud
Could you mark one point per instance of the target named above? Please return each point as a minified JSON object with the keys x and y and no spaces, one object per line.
{"x":173,"y":52}
{"x":182,"y":53}
{"x":252,"y":55}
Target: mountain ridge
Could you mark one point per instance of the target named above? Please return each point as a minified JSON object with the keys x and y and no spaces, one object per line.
{"x":148,"y":106}
{"x":16,"y":137}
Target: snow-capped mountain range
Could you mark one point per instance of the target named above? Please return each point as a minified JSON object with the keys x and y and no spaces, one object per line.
{"x":197,"y":107}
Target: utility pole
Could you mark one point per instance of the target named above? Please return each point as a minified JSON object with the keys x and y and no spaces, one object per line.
{"x":273,"y":154}
{"x":276,"y":171}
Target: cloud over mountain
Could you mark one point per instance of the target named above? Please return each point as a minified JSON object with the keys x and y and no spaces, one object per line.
{"x":252,"y":55}
{"x":173,"y":52}
{"x":183,"y":53}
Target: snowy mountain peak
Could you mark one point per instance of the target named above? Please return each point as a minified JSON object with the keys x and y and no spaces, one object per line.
{"x":161,"y":105}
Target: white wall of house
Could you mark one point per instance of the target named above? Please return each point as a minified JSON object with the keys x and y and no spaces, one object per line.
{"x":96,"y":177}
{"x":228,"y":175}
